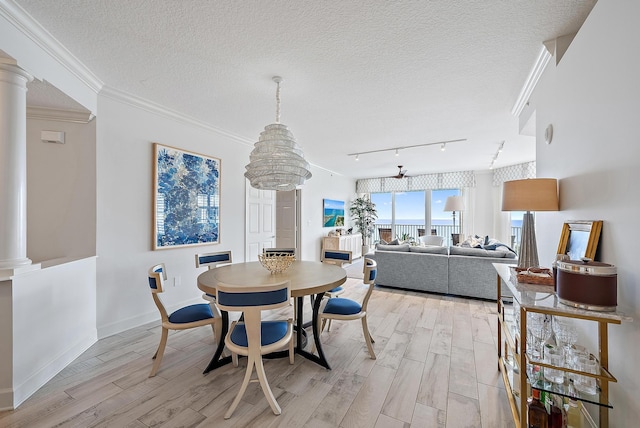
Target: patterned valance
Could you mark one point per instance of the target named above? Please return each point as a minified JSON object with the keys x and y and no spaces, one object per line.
{"x":514,"y":172}
{"x":445,"y":180}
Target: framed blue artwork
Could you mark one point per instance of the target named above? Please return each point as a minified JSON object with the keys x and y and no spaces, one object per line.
{"x":333,"y":213}
{"x":186,"y":198}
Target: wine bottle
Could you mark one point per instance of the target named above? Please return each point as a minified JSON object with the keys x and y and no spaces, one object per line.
{"x":557,"y":415}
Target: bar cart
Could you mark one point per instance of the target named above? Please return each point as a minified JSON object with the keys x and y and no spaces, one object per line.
{"x":514,"y":361}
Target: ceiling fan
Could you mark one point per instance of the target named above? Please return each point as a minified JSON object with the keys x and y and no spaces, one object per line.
{"x":401,"y":172}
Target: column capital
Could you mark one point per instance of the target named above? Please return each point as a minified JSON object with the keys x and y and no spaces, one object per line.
{"x":11,"y":65}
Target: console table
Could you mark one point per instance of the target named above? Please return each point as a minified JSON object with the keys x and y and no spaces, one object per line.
{"x":351,"y":243}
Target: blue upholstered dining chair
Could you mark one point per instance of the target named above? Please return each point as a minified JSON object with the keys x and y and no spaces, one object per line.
{"x":340,"y":308}
{"x":254,"y":337}
{"x":213,"y":260}
{"x":191,"y":316}
{"x":339,"y":258}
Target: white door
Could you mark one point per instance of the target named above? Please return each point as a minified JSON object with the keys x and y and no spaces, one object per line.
{"x":260,"y":221}
{"x":286,"y":219}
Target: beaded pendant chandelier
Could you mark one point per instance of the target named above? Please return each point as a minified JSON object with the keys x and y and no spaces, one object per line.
{"x":276,"y":162}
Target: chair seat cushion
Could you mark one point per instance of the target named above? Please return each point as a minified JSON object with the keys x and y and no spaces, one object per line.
{"x":192,"y":313}
{"x":270,"y":332}
{"x":338,"y":289}
{"x":342,"y":306}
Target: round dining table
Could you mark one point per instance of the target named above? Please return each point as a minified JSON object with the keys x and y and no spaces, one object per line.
{"x":307,"y":278}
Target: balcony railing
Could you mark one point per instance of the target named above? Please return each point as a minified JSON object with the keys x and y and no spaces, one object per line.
{"x":411,"y":231}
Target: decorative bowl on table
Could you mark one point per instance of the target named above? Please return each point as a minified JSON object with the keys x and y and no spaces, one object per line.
{"x":276,"y":262}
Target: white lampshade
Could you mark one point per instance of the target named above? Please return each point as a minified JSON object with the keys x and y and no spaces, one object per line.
{"x":454,"y":203}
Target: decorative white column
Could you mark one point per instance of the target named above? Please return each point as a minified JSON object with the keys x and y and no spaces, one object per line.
{"x":13,"y":165}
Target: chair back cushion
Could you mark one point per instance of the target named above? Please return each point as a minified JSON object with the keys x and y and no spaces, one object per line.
{"x":232,"y":298}
{"x":337,"y":255}
{"x":157,"y":276}
{"x":213,"y":259}
{"x":370,"y":271}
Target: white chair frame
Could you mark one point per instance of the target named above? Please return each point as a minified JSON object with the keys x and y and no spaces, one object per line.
{"x":370,"y":266}
{"x":254,"y":350}
{"x":158,"y":276}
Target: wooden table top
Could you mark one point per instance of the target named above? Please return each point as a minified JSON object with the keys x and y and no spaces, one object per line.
{"x":306,"y":277}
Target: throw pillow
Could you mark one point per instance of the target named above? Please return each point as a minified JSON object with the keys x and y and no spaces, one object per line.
{"x":395,"y":242}
{"x":432,"y":249}
{"x":402,"y":248}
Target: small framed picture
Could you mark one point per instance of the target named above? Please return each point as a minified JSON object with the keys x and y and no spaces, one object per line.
{"x":579,"y":239}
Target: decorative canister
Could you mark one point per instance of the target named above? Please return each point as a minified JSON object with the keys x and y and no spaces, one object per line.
{"x":587,"y":284}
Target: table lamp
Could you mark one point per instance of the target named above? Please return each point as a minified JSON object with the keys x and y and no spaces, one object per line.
{"x":453,"y":204}
{"x":533,"y":194}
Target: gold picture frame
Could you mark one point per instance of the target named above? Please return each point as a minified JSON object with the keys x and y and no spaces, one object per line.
{"x":580,"y":238}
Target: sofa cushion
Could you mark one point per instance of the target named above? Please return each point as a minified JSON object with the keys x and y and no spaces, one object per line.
{"x":431,"y":240}
{"x":432,"y":249}
{"x":402,"y":247}
{"x":480,"y":252}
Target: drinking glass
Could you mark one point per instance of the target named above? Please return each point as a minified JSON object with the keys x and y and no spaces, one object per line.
{"x":575,"y":353}
{"x":555,"y":357}
{"x":566,"y":333}
{"x":583,"y":383}
{"x":539,"y":329}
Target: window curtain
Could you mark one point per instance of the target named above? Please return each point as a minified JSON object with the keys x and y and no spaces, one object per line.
{"x":467,"y":217}
{"x":502,"y":219}
{"x":445,"y":180}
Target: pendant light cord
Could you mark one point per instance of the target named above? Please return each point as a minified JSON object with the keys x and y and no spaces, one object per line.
{"x":277,"y":79}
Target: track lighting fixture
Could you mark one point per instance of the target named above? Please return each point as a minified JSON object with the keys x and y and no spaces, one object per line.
{"x":442,"y":145}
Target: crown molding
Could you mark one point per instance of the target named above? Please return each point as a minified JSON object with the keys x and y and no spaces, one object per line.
{"x":31,"y":28}
{"x":59,"y":115}
{"x":137,"y":102}
{"x":151,"y":107}
{"x":532,"y":80}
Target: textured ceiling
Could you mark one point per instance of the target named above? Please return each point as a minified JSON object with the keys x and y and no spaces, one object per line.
{"x":358,"y":75}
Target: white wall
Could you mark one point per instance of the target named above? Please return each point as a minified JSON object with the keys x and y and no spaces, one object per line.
{"x":323,"y":185}
{"x":591,"y":98}
{"x":40,"y":343}
{"x":125,"y":136}
{"x":61,"y":191}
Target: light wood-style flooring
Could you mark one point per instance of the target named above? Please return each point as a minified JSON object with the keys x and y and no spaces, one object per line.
{"x":436,"y":367}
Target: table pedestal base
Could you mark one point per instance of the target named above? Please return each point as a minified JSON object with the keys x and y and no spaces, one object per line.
{"x":301,"y":338}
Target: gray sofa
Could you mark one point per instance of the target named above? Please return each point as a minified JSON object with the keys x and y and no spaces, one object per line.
{"x":459,"y":271}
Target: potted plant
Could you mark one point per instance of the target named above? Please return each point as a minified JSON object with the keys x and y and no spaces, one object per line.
{"x":364,"y":213}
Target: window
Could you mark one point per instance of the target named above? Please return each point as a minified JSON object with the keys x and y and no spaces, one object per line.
{"x":409,"y":215}
{"x":442,"y":221}
{"x":516,"y":229}
{"x":412,"y":214}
